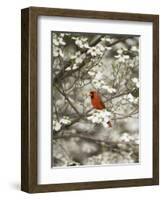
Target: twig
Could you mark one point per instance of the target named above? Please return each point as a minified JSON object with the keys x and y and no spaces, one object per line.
{"x":71,"y":104}
{"x":109,"y":99}
{"x":82,"y":116}
{"x":62,"y":75}
{"x":88,"y":138}
{"x":64,"y":150}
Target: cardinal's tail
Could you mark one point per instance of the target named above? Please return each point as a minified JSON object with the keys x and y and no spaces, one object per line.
{"x":110,"y":124}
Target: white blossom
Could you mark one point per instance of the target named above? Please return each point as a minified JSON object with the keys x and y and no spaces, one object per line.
{"x":120,"y":51}
{"x":132,"y":99}
{"x":93,"y":51}
{"x":81,"y":42}
{"x":125,"y":137}
{"x":108,"y":48}
{"x":109,"y":89}
{"x":58,"y":40}
{"x":91,"y":73}
{"x":62,"y":34}
{"x":65,"y":120}
{"x":136,"y":81}
{"x":67,"y":34}
{"x":131,"y":64}
{"x":100,"y":47}
{"x":99,"y":76}
{"x":121,"y":57}
{"x":56,"y":125}
{"x":75,"y":66}
{"x":97,"y":50}
{"x":105,"y":125}
{"x":136,"y":139}
{"x":106,"y":39}
{"x":57,"y":52}
{"x":134,"y":48}
{"x":98,"y":83}
{"x":136,"y":100}
{"x":100,"y":117}
{"x":78,"y":57}
{"x":68,"y":69}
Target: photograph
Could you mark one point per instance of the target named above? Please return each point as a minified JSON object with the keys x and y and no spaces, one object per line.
{"x":95,"y":99}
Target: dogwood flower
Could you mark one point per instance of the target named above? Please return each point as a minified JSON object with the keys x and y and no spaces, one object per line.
{"x":93,"y":51}
{"x":75,"y":66}
{"x":98,"y":83}
{"x":100,"y":117}
{"x":120,"y":51}
{"x":121,"y":57}
{"x":97,"y":50}
{"x":57,"y":52}
{"x":100,"y":47}
{"x":68,"y":69}
{"x":65,"y":120}
{"x":81,"y":42}
{"x":58,"y":40}
{"x":136,"y":81}
{"x":109,"y":89}
{"x":99,"y":76}
{"x":91,"y":73}
{"x":133,"y":62}
{"x":132,"y":99}
{"x":134,"y":48}
{"x":125,"y":137}
{"x":106,"y":39}
{"x":78,"y":57}
{"x":56,"y":125}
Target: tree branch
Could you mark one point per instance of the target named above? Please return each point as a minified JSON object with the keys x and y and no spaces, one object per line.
{"x":109,"y":99}
{"x":111,"y":145}
{"x":82,"y":116}
{"x":63,"y":74}
{"x":71,"y":104}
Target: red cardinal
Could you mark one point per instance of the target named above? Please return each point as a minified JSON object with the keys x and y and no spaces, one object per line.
{"x":97,"y":103}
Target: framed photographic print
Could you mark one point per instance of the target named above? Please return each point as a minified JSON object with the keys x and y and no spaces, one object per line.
{"x":90,"y":99}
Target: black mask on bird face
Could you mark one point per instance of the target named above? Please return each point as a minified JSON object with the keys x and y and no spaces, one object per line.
{"x":92,"y":94}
